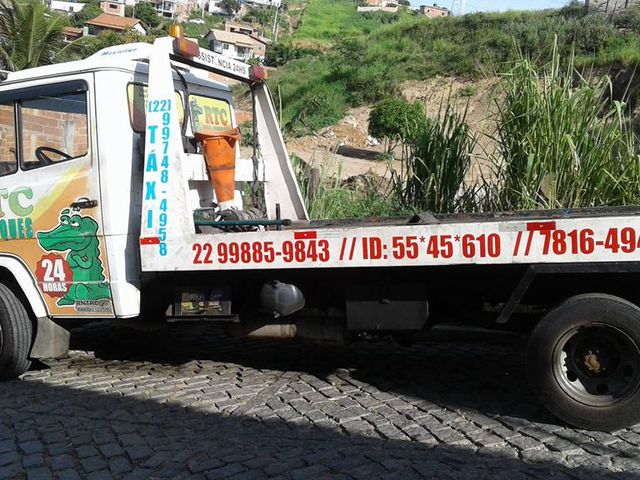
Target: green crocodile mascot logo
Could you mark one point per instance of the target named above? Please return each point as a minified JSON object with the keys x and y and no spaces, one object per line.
{"x":77,"y":234}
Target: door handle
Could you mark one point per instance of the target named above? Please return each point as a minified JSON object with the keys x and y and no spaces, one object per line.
{"x":84,"y":203}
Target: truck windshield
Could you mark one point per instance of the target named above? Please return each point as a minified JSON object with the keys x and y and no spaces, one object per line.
{"x":137,"y":96}
{"x":209,"y":115}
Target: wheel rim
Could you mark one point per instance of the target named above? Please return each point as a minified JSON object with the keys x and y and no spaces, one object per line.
{"x":597,"y":365}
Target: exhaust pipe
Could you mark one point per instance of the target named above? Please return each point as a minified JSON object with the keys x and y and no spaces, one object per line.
{"x":323,"y":330}
{"x":283,"y":299}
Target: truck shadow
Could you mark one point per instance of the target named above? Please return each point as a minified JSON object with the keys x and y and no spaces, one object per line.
{"x":88,"y":430}
{"x":485,"y":377}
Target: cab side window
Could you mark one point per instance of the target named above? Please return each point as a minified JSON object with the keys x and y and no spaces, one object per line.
{"x":54,"y":129}
{"x":8,"y":157}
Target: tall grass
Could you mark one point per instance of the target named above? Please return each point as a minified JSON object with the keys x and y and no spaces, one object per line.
{"x":561,"y":142}
{"x":332,"y":199}
{"x":436,"y":159}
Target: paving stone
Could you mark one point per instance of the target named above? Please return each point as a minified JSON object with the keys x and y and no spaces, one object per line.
{"x":10,"y":471}
{"x":309,"y":473}
{"x":100,"y":475}
{"x":33,"y":460}
{"x":203,"y":464}
{"x":67,"y":475}
{"x":8,"y":458}
{"x":119,"y":465}
{"x":40,"y":473}
{"x":226,"y":471}
{"x":93,"y":464}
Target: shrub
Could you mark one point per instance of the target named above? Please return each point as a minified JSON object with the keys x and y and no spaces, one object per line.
{"x":280,"y":53}
{"x":395,"y":120}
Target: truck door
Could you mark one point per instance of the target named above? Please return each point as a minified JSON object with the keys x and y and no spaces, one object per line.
{"x":50,"y":215}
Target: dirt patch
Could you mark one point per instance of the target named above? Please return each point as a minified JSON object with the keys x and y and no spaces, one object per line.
{"x":476,"y":97}
{"x":346,"y":149}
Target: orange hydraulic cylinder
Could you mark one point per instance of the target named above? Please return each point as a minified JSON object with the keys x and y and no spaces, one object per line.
{"x":220,"y":155}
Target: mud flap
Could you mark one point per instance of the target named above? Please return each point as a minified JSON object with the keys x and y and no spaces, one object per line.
{"x":52,"y":341}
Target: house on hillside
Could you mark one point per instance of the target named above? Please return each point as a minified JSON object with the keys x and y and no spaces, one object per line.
{"x":215,"y":7}
{"x":244,"y":28}
{"x":389,"y":6}
{"x":66,"y":7}
{"x":115,"y":23}
{"x":264,"y":3}
{"x":236,"y":45}
{"x":177,"y":9}
{"x":166,"y":8}
{"x":113,"y":7}
{"x":434,"y":11}
{"x":72,"y":33}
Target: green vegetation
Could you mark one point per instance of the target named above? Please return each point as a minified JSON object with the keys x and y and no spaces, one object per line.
{"x":331,"y":199}
{"x":561,"y":142}
{"x":339,"y":58}
{"x":395,"y":120}
{"x":326,"y":21}
{"x":199,"y":30}
{"x":146,"y":13}
{"x":90,"y":11}
{"x":91,"y":45}
{"x":436,"y":160}
{"x":30,"y":36}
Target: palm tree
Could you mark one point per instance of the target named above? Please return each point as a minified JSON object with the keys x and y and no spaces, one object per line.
{"x":29,"y":35}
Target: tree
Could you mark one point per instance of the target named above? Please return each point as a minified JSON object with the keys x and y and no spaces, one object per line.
{"x":90,"y":11}
{"x":230,"y":6}
{"x":30,"y":36}
{"x":147,"y":14}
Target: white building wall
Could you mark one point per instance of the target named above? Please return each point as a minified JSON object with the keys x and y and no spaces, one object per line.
{"x":266,"y":3}
{"x":68,"y":7}
{"x":216,"y":8}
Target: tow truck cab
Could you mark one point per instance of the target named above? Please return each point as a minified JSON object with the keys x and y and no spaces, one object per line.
{"x":71,"y":177}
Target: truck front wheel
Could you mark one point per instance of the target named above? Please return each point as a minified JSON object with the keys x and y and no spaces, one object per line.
{"x":583,"y":360}
{"x":16,"y":332}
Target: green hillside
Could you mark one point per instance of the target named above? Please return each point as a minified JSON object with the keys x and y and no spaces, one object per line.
{"x":327,"y":21}
{"x":339,"y":58}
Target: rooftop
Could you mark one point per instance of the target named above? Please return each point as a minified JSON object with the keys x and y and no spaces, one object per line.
{"x":114,"y":22}
{"x":72,"y":30}
{"x":437,"y":7}
{"x":231,"y":37}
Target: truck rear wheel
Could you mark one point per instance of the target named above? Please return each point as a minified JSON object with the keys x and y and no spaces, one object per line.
{"x":583,"y":360}
{"x":16,"y":332}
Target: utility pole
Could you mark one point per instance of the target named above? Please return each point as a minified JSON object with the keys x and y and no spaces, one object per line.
{"x":274,"y":33}
{"x":459,"y":7}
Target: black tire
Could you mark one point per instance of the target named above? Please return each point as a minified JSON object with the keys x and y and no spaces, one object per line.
{"x":16,"y":333}
{"x":583,"y":361}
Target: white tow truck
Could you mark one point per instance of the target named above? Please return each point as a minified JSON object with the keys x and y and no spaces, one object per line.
{"x":109,"y":208}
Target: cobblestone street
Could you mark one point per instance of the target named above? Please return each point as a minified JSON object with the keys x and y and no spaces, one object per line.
{"x":190,"y":403}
